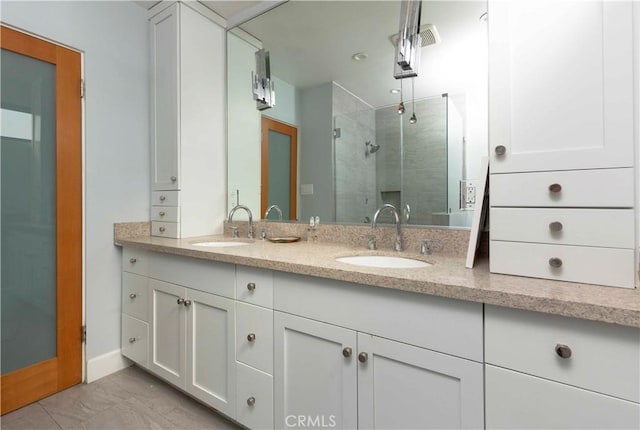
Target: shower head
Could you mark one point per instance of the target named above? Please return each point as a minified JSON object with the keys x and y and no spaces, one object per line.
{"x":371,"y":147}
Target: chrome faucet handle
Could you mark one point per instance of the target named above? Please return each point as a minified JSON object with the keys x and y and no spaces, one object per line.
{"x":397,"y":244}
{"x":427,"y":247}
{"x":263,"y":234}
{"x":234,"y":232}
{"x":372,"y":245}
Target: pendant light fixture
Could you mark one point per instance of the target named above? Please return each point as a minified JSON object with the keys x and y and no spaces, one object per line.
{"x":413,"y":118}
{"x":401,"y":104}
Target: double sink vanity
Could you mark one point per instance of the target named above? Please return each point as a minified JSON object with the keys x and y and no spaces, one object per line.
{"x":292,"y":335}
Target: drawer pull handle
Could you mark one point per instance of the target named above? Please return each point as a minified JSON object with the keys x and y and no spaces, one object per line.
{"x":555,"y":188}
{"x":180,"y":301}
{"x":187,"y":303}
{"x":162,"y":213}
{"x":251,"y":401}
{"x":132,"y":339}
{"x":161,"y":229}
{"x":563,"y":351}
{"x":251,"y":286}
{"x":363,"y":357}
{"x":555,"y":262}
{"x":347,"y":352}
{"x":132,"y":260}
{"x":133,"y":296}
{"x":162,"y":198}
{"x":173,"y":179}
{"x":500,"y":150}
{"x":251,"y":337}
{"x":555,"y":226}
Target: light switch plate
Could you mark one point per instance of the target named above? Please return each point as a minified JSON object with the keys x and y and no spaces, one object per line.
{"x":306,"y":189}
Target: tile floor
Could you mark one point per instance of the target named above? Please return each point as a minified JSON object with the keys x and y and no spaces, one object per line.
{"x":130,"y":399}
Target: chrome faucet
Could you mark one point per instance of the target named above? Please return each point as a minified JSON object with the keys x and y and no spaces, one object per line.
{"x":397,"y":245}
{"x":233,"y":211}
{"x":276,"y":208}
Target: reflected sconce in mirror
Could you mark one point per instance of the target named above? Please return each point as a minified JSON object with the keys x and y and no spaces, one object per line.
{"x":263,"y":87}
{"x":407,"y":58}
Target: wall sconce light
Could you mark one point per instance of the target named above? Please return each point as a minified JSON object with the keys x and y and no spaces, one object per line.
{"x":263,"y":87}
{"x":407,"y":58}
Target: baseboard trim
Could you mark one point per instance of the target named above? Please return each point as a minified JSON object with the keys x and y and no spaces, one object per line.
{"x":106,"y":364}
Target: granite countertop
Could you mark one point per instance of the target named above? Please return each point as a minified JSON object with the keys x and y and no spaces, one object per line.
{"x":447,"y":277}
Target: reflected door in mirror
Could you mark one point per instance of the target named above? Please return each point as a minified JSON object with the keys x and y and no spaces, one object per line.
{"x":279,"y":165}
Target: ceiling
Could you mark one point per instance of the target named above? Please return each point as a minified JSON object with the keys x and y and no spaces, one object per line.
{"x":225,"y":8}
{"x":312,"y":42}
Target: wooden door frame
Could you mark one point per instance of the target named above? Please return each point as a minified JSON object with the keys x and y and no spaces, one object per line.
{"x":292,"y":132}
{"x":39,"y":380}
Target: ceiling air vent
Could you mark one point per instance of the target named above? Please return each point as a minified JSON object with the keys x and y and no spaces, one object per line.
{"x":428,"y":32}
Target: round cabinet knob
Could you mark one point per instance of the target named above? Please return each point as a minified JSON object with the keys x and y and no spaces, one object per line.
{"x":555,"y":188}
{"x":187,"y":303}
{"x":251,"y":401}
{"x":555,"y":226}
{"x":132,"y":339}
{"x":173,"y":179}
{"x":347,"y":352}
{"x":500,"y":150}
{"x":162,"y":213}
{"x":132,"y":260}
{"x":251,"y":286}
{"x":555,"y":262}
{"x":251,"y":337}
{"x":363,"y":357}
{"x":162,"y":198}
{"x":133,"y":296}
{"x":161,"y":229}
{"x":180,"y":301}
{"x":563,"y":351}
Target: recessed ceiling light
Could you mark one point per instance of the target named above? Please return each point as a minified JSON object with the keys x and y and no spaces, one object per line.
{"x":360,"y":56}
{"x":395,"y":91}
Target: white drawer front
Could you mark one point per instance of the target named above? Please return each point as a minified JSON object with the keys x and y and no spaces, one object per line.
{"x":254,"y":336}
{"x":254,"y":286}
{"x":601,"y":266}
{"x":135,"y":261}
{"x":165,"y":229}
{"x":165,"y":198}
{"x":254,"y":398}
{"x":135,"y":340}
{"x":165,"y":213}
{"x":208,"y":276}
{"x":579,"y":188}
{"x":518,"y":401}
{"x":604,"y":357}
{"x":135,"y":295}
{"x":612,"y":228}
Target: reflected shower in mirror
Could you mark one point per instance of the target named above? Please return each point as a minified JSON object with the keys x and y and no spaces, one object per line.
{"x":332,"y":68}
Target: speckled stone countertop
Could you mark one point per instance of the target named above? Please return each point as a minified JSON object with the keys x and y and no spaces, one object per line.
{"x":447,"y":277}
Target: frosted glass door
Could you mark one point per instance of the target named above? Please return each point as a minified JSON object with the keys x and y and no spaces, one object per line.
{"x":279,"y":166}
{"x":28,"y":223}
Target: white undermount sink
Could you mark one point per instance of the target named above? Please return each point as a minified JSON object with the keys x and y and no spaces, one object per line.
{"x":383,"y":261}
{"x":221,"y":244}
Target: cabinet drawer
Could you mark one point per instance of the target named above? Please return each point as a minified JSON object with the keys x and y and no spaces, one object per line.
{"x":254,"y":398}
{"x":165,"y":229}
{"x":208,"y":276}
{"x":135,"y":261}
{"x":165,"y":198}
{"x":254,"y":336}
{"x":612,"y":228}
{"x":135,"y":295}
{"x":601,"y":266}
{"x":254,"y":286}
{"x":578,"y":188}
{"x":135,"y":340}
{"x":165,"y":213}
{"x":518,"y":401}
{"x":604,"y":357}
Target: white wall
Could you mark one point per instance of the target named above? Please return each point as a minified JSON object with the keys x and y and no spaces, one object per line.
{"x":113,"y":37}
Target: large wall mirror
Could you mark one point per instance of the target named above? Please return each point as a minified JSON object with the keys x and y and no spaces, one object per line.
{"x":334,"y":145}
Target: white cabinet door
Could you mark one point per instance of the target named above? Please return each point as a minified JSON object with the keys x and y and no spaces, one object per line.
{"x":404,"y":387}
{"x":518,"y":401}
{"x":165,"y":78}
{"x":211,"y":373}
{"x":168,"y":328}
{"x":315,"y":384}
{"x":561,"y":84}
